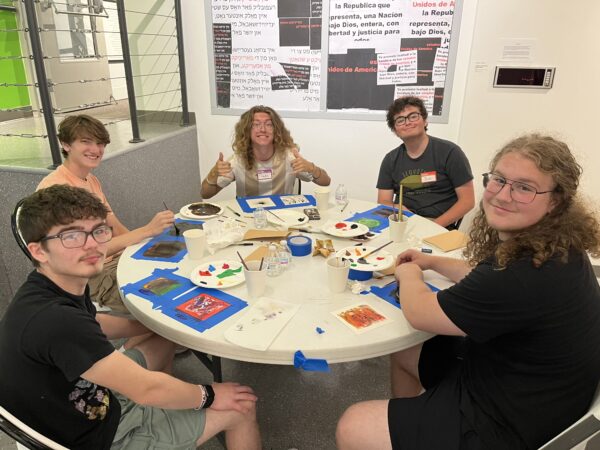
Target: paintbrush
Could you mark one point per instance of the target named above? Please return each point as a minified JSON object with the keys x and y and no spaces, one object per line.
{"x":342,"y":210}
{"x":242,"y":260}
{"x":261,"y":263}
{"x":363,"y":260}
{"x":174,"y":224}
{"x":273,"y":214}
{"x":400,"y":219}
{"x":233,"y":211}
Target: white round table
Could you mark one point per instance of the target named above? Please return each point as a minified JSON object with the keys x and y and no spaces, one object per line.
{"x":305,"y":284}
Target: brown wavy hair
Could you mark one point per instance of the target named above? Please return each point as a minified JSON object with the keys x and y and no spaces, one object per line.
{"x":242,"y":143}
{"x":572,"y":223}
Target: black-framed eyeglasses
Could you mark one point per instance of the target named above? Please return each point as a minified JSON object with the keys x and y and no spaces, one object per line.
{"x":519,"y":191}
{"x":78,"y":238}
{"x":412,"y":117}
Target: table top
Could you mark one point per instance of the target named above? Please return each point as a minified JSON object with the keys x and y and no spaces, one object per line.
{"x":304,"y":283}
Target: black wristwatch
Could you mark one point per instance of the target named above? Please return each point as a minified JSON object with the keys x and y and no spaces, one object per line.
{"x":210,"y":396}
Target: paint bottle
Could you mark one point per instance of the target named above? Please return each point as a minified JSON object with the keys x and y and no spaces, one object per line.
{"x":273,"y":267}
{"x":285,"y":255}
{"x":341,"y":195}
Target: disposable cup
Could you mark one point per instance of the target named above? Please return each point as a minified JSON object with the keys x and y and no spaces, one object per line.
{"x":322,"y":197}
{"x":256,"y":280}
{"x":195,"y":241}
{"x":397,"y":229}
{"x":337,"y":273}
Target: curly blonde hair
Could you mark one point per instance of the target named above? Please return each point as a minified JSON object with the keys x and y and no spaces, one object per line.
{"x":571,"y":224}
{"x":242,"y":143}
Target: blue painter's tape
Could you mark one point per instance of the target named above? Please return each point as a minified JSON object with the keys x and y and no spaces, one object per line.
{"x":300,"y":245}
{"x":310,"y":364}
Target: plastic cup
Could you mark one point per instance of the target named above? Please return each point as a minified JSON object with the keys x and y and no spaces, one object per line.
{"x":256,"y":280}
{"x":397,"y":229}
{"x":322,"y":197}
{"x":337,"y":274}
{"x":195,"y":241}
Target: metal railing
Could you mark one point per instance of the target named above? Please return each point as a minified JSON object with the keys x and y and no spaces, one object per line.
{"x":153,"y":73}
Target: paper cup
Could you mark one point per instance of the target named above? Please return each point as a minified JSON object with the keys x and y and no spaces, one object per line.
{"x":195,"y":241}
{"x":397,"y":229}
{"x":322,"y":197}
{"x":256,"y":280}
{"x":337,"y":273}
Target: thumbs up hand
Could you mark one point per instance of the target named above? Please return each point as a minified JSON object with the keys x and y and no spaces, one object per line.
{"x":299,"y":164}
{"x":223,"y":167}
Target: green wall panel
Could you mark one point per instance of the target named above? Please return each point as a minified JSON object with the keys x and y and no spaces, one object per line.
{"x":11,"y":70}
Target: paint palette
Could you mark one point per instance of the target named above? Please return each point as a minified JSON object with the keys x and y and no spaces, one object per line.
{"x":381,"y":260}
{"x":218,"y":274}
{"x":289,"y":218}
{"x":201,"y":210}
{"x":345,"y":229}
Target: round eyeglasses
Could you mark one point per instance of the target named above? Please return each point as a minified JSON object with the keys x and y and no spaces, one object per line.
{"x":520,"y":192}
{"x":265,"y":125}
{"x":412,"y":117}
{"x":78,"y":238}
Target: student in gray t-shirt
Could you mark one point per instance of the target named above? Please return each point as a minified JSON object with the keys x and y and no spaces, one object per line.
{"x":435,"y":173}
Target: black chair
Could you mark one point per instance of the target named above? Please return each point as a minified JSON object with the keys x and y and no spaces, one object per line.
{"x":14,"y":225}
{"x":26,"y":437}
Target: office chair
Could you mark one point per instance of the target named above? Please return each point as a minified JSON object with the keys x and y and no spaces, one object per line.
{"x":586,"y":428}
{"x":26,"y":437}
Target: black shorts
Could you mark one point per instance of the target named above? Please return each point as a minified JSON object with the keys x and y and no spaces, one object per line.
{"x":433,"y":420}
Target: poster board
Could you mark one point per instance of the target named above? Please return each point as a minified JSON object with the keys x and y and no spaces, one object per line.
{"x":336,"y":59}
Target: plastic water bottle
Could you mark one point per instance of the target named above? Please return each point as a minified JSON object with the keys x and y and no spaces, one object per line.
{"x":260,"y":217}
{"x":285,"y":256}
{"x":273,"y":267}
{"x":341,"y":195}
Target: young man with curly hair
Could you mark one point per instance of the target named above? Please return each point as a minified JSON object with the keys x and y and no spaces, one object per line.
{"x":265,"y":161}
{"x":517,"y":356}
{"x":62,"y":376}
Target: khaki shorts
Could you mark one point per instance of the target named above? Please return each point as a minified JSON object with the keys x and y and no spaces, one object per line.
{"x":145,"y":427}
{"x":104,"y":288}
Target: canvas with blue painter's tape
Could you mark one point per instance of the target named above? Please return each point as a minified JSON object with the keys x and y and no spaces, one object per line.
{"x":177,"y":297}
{"x":167,"y":246}
{"x":249,"y":204}
{"x":376,"y":219}
{"x":387,"y":292}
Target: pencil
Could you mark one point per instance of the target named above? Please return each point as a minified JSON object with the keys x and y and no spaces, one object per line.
{"x":233,"y":211}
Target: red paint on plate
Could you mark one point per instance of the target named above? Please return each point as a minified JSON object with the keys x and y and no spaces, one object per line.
{"x":205,"y":273}
{"x":225,"y":266}
{"x":340,"y":225}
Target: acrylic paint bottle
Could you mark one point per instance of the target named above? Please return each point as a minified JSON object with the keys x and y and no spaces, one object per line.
{"x":273,"y":267}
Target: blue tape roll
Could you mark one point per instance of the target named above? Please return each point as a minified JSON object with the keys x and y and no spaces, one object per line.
{"x":299,"y":245}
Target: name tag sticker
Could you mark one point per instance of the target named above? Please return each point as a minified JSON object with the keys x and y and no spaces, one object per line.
{"x":428,"y":177}
{"x":264,"y":174}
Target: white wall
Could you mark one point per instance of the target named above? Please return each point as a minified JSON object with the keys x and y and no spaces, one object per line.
{"x":351,"y":151}
{"x":481,"y":118}
{"x":564,"y":37}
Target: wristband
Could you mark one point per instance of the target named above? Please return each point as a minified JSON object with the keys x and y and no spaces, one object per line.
{"x":210,"y":396}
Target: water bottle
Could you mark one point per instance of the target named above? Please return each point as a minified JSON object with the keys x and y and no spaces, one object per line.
{"x":260,"y":217}
{"x":341,"y":195}
{"x":273,"y":267}
{"x":285,"y":255}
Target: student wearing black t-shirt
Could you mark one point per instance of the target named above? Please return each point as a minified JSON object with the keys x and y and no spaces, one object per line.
{"x":517,"y":356}
{"x":60,"y":374}
{"x":435,"y":174}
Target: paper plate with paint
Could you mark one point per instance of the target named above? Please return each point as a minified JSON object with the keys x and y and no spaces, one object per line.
{"x":287,"y":218}
{"x":201,"y":210}
{"x":345,"y":229}
{"x":218,"y":274}
{"x":380,"y":260}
